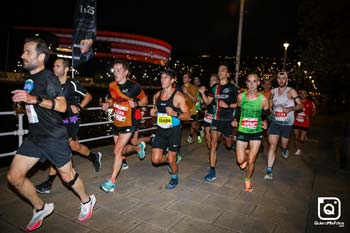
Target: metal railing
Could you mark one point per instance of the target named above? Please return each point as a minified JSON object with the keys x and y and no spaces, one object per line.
{"x":20,"y":132}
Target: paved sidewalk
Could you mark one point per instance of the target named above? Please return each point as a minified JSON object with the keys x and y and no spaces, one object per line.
{"x":288,"y":203}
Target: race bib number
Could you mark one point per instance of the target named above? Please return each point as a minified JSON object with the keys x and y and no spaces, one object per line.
{"x":300,"y":117}
{"x":164,"y":120}
{"x":249,"y":123}
{"x":208,"y":117}
{"x":31,"y":114}
{"x":281,"y":116}
{"x":120,"y":112}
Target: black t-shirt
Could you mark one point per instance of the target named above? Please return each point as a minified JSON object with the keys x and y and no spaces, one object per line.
{"x":73,"y":91}
{"x":45,"y":123}
{"x":226,"y":93}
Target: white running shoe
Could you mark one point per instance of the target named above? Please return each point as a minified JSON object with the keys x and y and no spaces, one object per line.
{"x":298,"y":152}
{"x":201,"y":132}
{"x":38,"y":216}
{"x":268,"y":176}
{"x":285,"y":153}
{"x":86,"y":209}
{"x":125,"y":166}
{"x":189,"y":139}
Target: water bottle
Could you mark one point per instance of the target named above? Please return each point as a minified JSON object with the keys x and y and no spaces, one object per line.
{"x":28,"y":85}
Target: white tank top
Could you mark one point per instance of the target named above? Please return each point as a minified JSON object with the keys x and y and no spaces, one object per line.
{"x":279,"y":102}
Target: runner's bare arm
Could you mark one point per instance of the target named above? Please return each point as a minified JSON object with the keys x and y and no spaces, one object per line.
{"x":143,"y":101}
{"x":179,"y":101}
{"x":154,"y":110}
{"x":86,"y":100}
{"x":58,"y":104}
{"x":106,"y":105}
{"x":294,"y":94}
{"x":266,"y":112}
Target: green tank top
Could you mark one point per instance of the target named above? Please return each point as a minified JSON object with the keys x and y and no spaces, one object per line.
{"x":199,"y":101}
{"x":250,"y":121}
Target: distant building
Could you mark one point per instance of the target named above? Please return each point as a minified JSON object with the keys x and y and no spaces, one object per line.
{"x":112,"y":45}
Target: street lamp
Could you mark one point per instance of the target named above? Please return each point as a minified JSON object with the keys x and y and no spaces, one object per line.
{"x":299,"y":75}
{"x":285,"y":45}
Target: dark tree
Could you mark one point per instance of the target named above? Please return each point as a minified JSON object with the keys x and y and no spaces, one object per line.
{"x":324,"y":36}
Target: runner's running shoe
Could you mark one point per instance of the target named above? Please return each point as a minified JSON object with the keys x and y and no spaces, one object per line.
{"x":285,"y":153}
{"x":199,"y":139}
{"x":298,"y":152}
{"x":86,"y":209}
{"x":38,"y":216}
{"x":142,"y":152}
{"x":172,"y":183}
{"x":211,"y":176}
{"x":108,"y":186}
{"x":44,"y":187}
{"x":125,"y":165}
{"x":189,"y":139}
{"x":268,"y":176}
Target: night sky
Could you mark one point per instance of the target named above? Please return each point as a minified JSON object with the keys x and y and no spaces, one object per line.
{"x":191,"y":27}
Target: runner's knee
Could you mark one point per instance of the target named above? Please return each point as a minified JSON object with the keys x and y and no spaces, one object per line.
{"x":15,"y":178}
{"x":70,"y":183}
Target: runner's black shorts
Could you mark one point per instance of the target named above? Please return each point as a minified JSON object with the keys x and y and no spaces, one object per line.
{"x":301,"y":128}
{"x":124,"y":130}
{"x":206,"y":124}
{"x":280,"y":130}
{"x":72,"y":130}
{"x":246,"y":137}
{"x":168,"y":138}
{"x":224,"y":127}
{"x":56,"y":150}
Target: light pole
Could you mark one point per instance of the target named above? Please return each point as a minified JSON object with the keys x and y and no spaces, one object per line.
{"x":285,"y":45}
{"x":239,"y":41}
{"x":297,"y":76}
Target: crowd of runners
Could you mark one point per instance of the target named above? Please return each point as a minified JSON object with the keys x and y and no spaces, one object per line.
{"x":217,"y":112}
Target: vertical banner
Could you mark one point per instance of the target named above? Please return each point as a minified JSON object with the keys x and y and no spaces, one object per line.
{"x":84,"y":31}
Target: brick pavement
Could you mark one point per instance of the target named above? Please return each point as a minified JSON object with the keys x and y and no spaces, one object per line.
{"x":140,"y":203}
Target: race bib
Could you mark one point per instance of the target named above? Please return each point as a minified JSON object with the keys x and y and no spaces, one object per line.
{"x":208,"y":117}
{"x":280,"y":115}
{"x":120,"y":112}
{"x":300,"y":117}
{"x":249,"y":123}
{"x":31,"y":114}
{"x":164,"y":120}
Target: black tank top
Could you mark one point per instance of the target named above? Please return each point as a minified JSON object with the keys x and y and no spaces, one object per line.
{"x":161,"y":104}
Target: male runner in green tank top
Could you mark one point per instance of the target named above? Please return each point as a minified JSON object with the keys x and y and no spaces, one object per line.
{"x":251,"y":119}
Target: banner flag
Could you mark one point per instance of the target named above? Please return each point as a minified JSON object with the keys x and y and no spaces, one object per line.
{"x":84,"y":31}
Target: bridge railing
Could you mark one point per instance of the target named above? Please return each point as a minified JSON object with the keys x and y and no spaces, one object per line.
{"x":20,"y":132}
